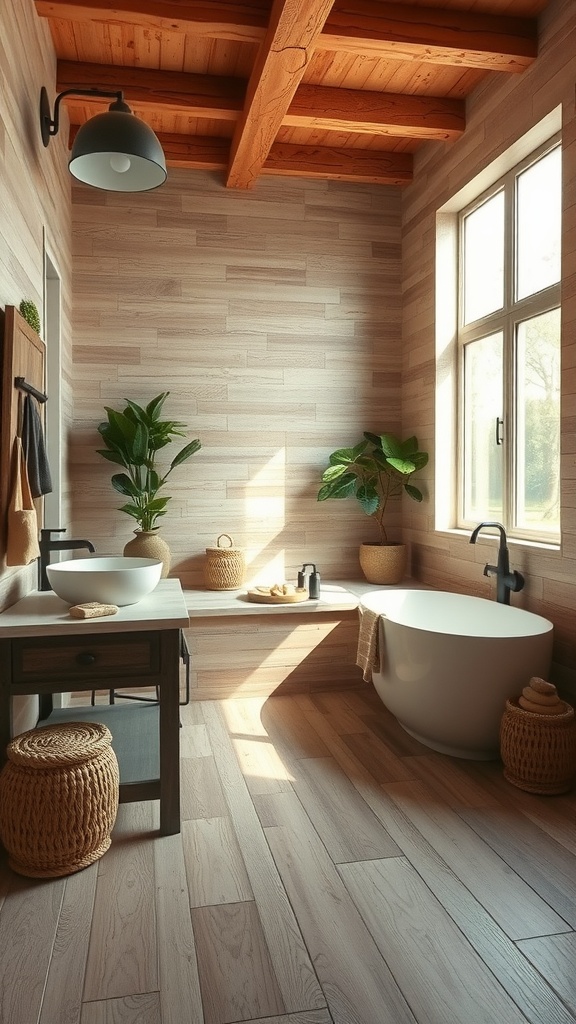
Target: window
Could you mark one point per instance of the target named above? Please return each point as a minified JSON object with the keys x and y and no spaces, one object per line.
{"x":509,"y":351}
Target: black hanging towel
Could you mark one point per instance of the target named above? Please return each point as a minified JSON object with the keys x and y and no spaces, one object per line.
{"x":39,"y":475}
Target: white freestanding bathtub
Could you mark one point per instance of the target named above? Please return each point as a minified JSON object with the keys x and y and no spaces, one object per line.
{"x":448,"y":662}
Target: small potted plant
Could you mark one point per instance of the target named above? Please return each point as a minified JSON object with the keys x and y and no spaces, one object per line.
{"x":133,"y":438}
{"x":377,"y":469}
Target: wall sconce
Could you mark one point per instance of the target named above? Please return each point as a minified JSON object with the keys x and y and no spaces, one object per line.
{"x":115,"y":151}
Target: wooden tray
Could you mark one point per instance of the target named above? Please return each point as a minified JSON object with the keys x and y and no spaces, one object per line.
{"x":259,"y":598}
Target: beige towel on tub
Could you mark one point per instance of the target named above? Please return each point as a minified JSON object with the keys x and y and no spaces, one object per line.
{"x":367,"y":654}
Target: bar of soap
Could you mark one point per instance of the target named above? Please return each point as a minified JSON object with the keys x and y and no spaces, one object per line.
{"x":92,"y":610}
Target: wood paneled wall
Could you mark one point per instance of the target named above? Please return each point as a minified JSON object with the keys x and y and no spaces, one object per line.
{"x":273,"y":319}
{"x":35,"y":198}
{"x":498,"y":114}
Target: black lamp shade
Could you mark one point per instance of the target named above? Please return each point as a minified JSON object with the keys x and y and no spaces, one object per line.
{"x":118,"y":152}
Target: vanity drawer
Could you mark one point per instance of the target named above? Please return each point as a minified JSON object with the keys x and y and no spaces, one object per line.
{"x":88,"y":657}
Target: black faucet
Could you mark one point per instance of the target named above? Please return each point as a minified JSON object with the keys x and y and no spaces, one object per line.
{"x":506,"y":581}
{"x":47,"y":545}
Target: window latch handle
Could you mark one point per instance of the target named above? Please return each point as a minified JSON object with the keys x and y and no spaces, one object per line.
{"x":499,"y":430}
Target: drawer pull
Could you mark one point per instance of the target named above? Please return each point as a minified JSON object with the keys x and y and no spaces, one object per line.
{"x":85,"y":658}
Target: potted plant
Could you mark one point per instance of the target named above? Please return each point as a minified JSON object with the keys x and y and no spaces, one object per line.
{"x":133,"y":438}
{"x":377,"y":469}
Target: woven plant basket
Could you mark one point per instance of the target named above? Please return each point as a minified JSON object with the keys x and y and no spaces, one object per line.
{"x":224,"y":567}
{"x":383,"y":563}
{"x":539,"y":751}
{"x":58,"y":798}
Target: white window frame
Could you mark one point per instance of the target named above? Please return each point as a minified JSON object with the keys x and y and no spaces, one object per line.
{"x":504,"y":320}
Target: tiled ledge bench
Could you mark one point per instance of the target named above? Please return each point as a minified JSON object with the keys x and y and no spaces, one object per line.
{"x":239,"y":648}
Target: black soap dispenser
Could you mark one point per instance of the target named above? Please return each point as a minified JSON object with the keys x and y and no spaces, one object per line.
{"x":313,"y":580}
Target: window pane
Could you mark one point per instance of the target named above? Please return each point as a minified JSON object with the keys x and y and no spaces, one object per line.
{"x":483,"y":390}
{"x":538,"y":423}
{"x":484,"y":259}
{"x":539,"y":212}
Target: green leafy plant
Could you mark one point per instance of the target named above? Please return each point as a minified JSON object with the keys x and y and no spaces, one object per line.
{"x":132,"y":438}
{"x":378,"y":468}
{"x":30,"y":313}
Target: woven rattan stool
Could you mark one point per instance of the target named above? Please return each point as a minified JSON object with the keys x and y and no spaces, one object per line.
{"x":58,"y":798}
{"x":539,"y":751}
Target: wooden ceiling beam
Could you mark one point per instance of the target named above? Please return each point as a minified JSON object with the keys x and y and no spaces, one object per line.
{"x":431,"y":35}
{"x":365,"y":27}
{"x":208,"y":96}
{"x":205,"y":153}
{"x":366,"y":165}
{"x":375,"y":113}
{"x":242,"y":22}
{"x":282,"y":60}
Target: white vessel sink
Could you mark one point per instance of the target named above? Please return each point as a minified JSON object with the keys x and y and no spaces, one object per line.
{"x":111,"y":580}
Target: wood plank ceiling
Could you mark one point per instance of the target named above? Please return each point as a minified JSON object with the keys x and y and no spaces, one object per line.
{"x":313,"y":88}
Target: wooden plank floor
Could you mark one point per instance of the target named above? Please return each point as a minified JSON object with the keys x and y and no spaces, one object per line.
{"x":330,"y":870}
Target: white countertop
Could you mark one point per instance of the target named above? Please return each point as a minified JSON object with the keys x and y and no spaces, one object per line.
{"x":42,"y":613}
{"x":335,"y":596}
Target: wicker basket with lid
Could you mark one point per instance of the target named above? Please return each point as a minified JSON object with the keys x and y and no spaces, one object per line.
{"x":538,"y":747}
{"x":224,"y":567}
{"x":58,"y":798}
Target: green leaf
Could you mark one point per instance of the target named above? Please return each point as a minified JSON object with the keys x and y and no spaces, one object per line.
{"x":368,"y":497}
{"x":138,"y":412}
{"x":123,"y":484}
{"x":420,"y":459}
{"x":370,"y":463}
{"x":157,"y":504}
{"x":341,"y":488}
{"x":154,"y":408}
{"x":185,"y":453}
{"x":403,"y":466}
{"x":119,"y":426}
{"x":391,"y":446}
{"x":333,"y":473}
{"x":112,"y":456}
{"x":139,"y":446}
{"x":413,"y":492}
{"x":410,"y":446}
{"x":372,"y":438}
{"x":344,"y":456}
{"x":132,"y":510}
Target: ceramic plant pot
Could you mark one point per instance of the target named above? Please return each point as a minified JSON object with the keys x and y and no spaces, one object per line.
{"x":149,"y":544}
{"x":383,"y":563}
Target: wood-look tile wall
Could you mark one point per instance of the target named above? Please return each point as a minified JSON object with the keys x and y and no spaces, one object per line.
{"x":497,"y":115}
{"x":273,"y":319}
{"x":34,"y":198}
{"x":256,"y":656}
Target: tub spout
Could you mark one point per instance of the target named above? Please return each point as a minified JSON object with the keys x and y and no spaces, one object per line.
{"x":506,"y":581}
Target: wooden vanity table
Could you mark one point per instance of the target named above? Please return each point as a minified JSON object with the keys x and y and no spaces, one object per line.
{"x":43,"y":650}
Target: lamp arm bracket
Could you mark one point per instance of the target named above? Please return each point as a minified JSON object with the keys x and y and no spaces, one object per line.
{"x":49,"y":125}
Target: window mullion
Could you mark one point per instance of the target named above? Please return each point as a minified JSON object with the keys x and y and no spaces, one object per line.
{"x":508,"y":462}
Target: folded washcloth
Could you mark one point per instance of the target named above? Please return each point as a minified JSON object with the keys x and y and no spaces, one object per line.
{"x":92,"y":610}
{"x":367,"y":655}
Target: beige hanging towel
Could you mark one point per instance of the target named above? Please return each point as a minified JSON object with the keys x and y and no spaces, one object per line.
{"x":22,"y":545}
{"x":368,"y":655}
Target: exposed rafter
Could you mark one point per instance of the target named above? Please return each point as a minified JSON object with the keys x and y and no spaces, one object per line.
{"x":212,"y":19}
{"x":209,"y":96}
{"x":375,"y":113}
{"x":430,"y":35}
{"x":280,"y":65}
